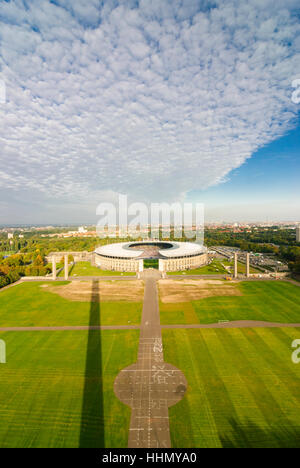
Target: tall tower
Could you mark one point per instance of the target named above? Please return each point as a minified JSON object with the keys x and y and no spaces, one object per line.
{"x":298,"y":234}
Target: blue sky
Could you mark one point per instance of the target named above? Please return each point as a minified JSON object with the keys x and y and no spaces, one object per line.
{"x":160,"y":100}
{"x":266,"y":187}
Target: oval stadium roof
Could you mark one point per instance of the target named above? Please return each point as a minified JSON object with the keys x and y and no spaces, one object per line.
{"x":123,"y":250}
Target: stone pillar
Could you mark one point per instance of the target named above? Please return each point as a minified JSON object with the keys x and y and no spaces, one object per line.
{"x":66,"y":268}
{"x":93,"y":259}
{"x":235,"y":265}
{"x":248,"y":265}
{"x":54,"y":268}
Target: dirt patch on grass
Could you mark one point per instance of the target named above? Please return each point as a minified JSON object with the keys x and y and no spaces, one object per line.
{"x":84,"y":291}
{"x":172,"y":291}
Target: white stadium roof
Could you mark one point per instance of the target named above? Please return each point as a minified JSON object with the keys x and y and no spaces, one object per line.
{"x":178,"y":249}
{"x":182,"y":249}
{"x":117,"y":250}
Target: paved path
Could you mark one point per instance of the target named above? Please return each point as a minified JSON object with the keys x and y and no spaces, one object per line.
{"x":42,"y":279}
{"x":11,"y":285}
{"x":237,"y":324}
{"x":71,"y":328}
{"x":150,"y":385}
{"x":233,"y":324}
{"x":222,"y":277}
{"x":292,"y":281}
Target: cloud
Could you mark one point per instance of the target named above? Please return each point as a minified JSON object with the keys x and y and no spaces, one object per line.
{"x":153,"y":99}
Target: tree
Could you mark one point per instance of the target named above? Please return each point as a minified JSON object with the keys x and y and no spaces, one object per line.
{"x":38,"y":261}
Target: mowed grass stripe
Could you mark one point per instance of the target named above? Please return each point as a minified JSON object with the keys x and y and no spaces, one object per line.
{"x":42,"y":385}
{"x":253,"y":379}
{"x":269,"y":301}
{"x":31,"y":397}
{"x":236,"y":388}
{"x":112,"y":408}
{"x":190,"y":314}
{"x":284,"y":338}
{"x":172,"y":314}
{"x":274,"y":398}
{"x":219,"y":397}
{"x":34,"y":397}
{"x":284,"y":294}
{"x":277,"y":363}
{"x":258,"y":407}
{"x":281,"y":296}
{"x":184,"y":407}
{"x":204,"y":386}
{"x":30,"y":304}
{"x":205,"y":424}
{"x":86,"y":269}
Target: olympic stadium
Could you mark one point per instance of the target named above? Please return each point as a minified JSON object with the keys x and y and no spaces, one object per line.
{"x":133,"y":256}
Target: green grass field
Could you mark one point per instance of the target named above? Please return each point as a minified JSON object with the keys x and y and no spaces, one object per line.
{"x":241,"y":267}
{"x":243,"y":389}
{"x":86,"y":269}
{"x":29,"y":304}
{"x":57,"y":388}
{"x":269,"y":301}
{"x":216,"y":267}
{"x":151,"y":263}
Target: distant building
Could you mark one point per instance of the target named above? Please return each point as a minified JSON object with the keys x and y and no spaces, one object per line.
{"x":298,"y":234}
{"x":82,"y":230}
{"x":10,"y":235}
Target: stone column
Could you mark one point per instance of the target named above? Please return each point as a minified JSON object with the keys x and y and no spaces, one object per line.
{"x":66,"y":268}
{"x":93,"y":259}
{"x":54,"y":268}
{"x":248,"y":265}
{"x":235,"y":265}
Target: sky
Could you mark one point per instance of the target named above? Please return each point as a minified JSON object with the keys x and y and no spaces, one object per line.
{"x":164,"y":101}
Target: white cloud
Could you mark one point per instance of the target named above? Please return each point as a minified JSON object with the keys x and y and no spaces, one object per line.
{"x":153,"y":101}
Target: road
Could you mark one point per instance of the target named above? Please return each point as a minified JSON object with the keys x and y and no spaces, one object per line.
{"x":150,"y":385}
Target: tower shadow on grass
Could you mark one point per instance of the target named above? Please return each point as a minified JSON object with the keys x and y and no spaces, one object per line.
{"x":92,"y":414}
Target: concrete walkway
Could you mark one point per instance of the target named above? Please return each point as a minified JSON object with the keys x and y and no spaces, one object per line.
{"x":237,"y":324}
{"x":150,"y":386}
{"x":233,"y":324}
{"x":70,"y":328}
{"x":222,"y":277}
{"x":42,"y":279}
{"x":11,"y":285}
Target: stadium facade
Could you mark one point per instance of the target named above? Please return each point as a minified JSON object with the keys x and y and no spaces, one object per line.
{"x":171,"y":256}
